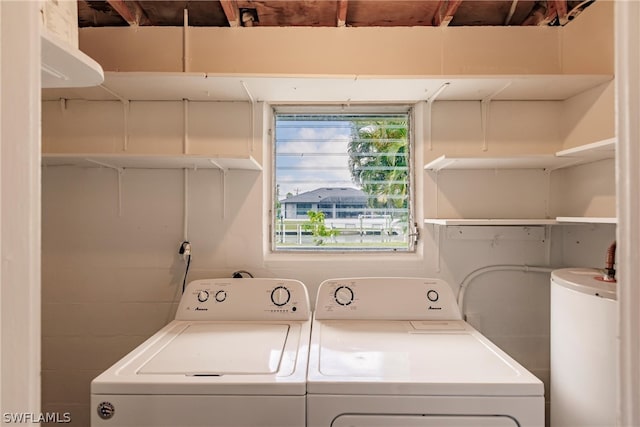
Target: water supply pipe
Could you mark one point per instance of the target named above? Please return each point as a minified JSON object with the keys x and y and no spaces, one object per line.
{"x":609,"y":270}
{"x":464,"y":285}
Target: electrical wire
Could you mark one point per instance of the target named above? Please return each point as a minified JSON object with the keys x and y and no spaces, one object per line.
{"x":185,"y":251}
{"x":240,"y":274}
{"x":186,"y":272}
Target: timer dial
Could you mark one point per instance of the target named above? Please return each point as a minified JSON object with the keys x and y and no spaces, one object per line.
{"x":221,"y":296}
{"x":280,"y":296}
{"x":432,"y":295}
{"x":343,"y":295}
{"x":203,"y":296}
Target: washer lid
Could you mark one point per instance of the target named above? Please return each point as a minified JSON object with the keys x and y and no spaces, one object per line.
{"x":221,"y":349}
{"x":586,"y":280}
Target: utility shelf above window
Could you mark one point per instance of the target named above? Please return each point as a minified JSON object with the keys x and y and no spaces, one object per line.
{"x":147,"y":161}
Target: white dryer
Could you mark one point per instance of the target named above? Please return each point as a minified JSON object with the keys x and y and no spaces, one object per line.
{"x":391,"y":352}
{"x":235,"y":355}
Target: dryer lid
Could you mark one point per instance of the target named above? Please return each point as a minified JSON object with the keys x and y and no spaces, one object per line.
{"x":397,"y":357}
{"x":217,"y":349}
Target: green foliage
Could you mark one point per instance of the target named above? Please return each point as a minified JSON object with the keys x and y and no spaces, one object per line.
{"x":317,"y":227}
{"x":378,"y":160}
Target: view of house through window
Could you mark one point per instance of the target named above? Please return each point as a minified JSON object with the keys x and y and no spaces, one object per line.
{"x":342,"y":181}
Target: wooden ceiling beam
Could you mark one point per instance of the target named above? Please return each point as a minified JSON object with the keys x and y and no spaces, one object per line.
{"x":512,"y":10}
{"x":539,"y":14}
{"x":131,"y":11}
{"x":445,"y":11}
{"x":231,"y":11}
{"x":561,"y":11}
{"x":341,"y":13}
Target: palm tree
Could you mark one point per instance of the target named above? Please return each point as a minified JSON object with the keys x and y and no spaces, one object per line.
{"x":378,"y":161}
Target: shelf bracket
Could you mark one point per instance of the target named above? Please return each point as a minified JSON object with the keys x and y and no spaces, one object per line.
{"x":438,"y":240}
{"x":120,"y":171}
{"x":484,"y":107}
{"x":429,"y":102}
{"x":125,"y":112}
{"x":252,"y":104}
{"x":484,"y":112}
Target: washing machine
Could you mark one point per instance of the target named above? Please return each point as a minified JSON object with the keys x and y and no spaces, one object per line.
{"x":395,"y":352}
{"x":584,"y":349}
{"x":235,"y":356}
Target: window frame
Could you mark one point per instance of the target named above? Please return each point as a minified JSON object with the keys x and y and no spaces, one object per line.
{"x":390,"y":108}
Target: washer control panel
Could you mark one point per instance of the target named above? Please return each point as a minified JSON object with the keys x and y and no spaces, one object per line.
{"x":386,"y":298}
{"x":244,"y":299}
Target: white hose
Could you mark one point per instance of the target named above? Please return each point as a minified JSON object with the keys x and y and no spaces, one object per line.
{"x":506,"y":267}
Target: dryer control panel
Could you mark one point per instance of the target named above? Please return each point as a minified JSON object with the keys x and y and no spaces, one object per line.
{"x":386,"y":298}
{"x":244,"y":299}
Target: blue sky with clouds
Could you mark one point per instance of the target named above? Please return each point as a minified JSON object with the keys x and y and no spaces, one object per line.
{"x":319,"y":148}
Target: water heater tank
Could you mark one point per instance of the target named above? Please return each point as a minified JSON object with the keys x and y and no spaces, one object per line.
{"x":584,"y":354}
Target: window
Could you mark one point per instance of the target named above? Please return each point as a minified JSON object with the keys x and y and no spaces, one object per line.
{"x":342,"y":180}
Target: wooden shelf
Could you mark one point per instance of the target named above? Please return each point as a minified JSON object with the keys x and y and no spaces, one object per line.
{"x":66,"y":67}
{"x":510,"y":221}
{"x":587,"y":220}
{"x":150,"y":161}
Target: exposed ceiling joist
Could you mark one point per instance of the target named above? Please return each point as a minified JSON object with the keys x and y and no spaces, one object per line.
{"x":341,"y":17}
{"x":445,"y":12}
{"x":578,"y":9}
{"x":131,"y":11}
{"x":537,"y":15}
{"x":512,"y":10}
{"x":550,"y":13}
{"x":561,"y":11}
{"x":231,"y":11}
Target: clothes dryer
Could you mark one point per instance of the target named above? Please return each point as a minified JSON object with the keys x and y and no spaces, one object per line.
{"x":235,"y":356}
{"x":391,"y":352}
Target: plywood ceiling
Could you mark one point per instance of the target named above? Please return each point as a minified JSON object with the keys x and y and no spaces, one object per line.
{"x":328,"y":13}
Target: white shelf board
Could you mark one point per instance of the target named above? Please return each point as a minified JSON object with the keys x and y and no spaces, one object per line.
{"x":166,"y":86}
{"x":515,"y":162}
{"x":600,"y":150}
{"x":143,"y":161}
{"x":67,"y":67}
{"x":490,"y":221}
{"x":587,"y":220}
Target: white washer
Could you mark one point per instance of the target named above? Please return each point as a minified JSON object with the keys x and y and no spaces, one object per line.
{"x":235,"y":355}
{"x":396,"y":352}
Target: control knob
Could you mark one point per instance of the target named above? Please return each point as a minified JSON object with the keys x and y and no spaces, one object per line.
{"x":280,"y":296}
{"x":343,"y":295}
{"x":203,"y":296}
{"x":432,"y":295}
{"x":221,"y":296}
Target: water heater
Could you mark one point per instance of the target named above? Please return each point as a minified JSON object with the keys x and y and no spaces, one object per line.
{"x":583,"y":384}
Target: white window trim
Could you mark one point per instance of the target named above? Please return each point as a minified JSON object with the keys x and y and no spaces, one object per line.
{"x":417,"y":112}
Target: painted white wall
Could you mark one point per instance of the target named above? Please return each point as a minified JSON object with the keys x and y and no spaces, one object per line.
{"x":585,"y":190}
{"x":20,"y":209}
{"x":112,"y":274}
